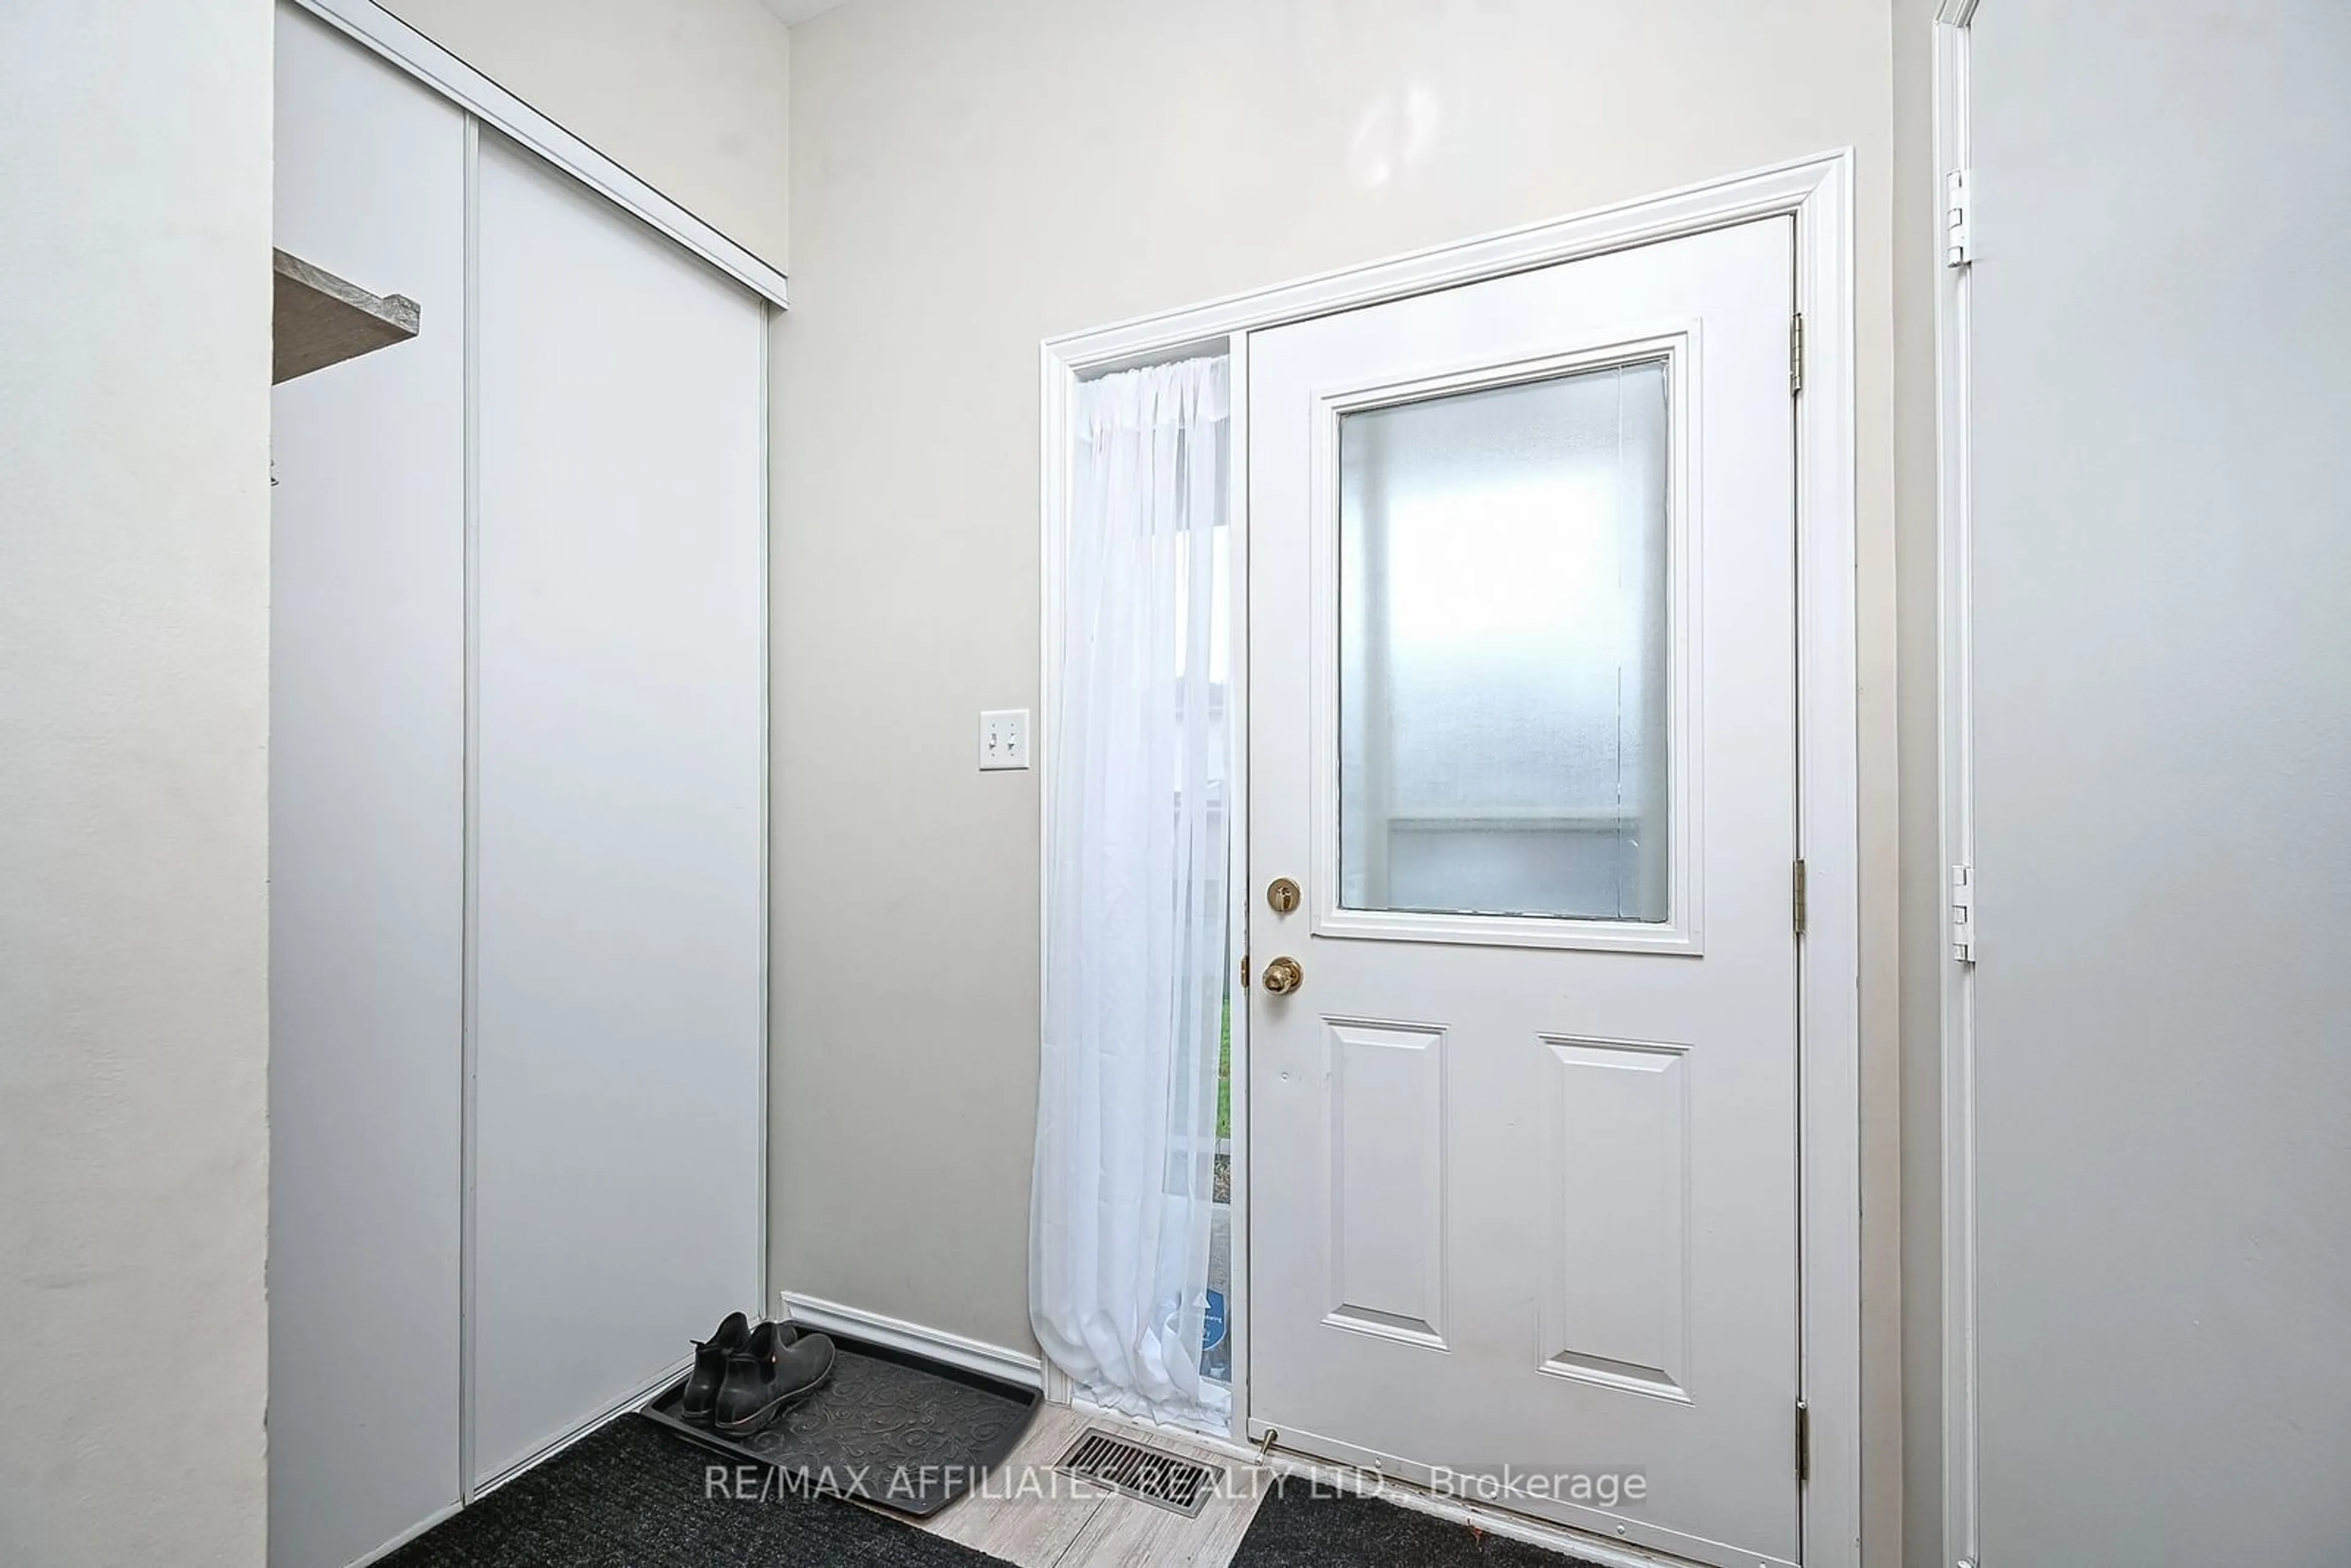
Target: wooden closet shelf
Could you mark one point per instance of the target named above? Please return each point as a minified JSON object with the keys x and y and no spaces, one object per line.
{"x":318,"y":320}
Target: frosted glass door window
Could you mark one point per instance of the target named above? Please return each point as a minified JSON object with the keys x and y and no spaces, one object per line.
{"x":1503,"y":650}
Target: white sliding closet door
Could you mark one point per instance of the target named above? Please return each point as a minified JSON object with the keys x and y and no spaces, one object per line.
{"x":2157,"y":575}
{"x":366,"y":691}
{"x":618,"y":1034}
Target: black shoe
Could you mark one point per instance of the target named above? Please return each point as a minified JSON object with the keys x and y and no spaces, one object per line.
{"x":710,"y":1367}
{"x":777,"y":1366}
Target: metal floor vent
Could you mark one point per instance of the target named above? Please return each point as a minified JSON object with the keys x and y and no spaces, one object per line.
{"x":1168,"y":1481}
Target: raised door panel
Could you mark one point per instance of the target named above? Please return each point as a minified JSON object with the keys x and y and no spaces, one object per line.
{"x":1387,"y":1165}
{"x":1616,"y":1308}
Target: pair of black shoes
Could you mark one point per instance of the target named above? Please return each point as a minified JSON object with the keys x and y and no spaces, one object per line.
{"x":744,"y":1377}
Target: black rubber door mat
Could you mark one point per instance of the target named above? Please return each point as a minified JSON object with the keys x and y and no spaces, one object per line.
{"x":888,"y":1427}
{"x":631,"y":1496}
{"x":1302,"y":1525}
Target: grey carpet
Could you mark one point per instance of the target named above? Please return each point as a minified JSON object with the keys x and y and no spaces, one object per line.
{"x":634,"y":1496}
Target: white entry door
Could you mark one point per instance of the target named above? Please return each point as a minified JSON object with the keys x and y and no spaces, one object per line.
{"x":1522,"y":698}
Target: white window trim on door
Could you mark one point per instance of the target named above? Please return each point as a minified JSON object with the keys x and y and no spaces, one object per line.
{"x":1953,"y":306}
{"x":1675,"y":343}
{"x":1817,"y":192}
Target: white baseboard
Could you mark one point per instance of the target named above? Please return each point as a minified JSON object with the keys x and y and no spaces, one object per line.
{"x":971,"y":1355}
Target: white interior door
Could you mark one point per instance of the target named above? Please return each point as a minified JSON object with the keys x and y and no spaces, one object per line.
{"x":618,"y":948}
{"x":1523,"y":728}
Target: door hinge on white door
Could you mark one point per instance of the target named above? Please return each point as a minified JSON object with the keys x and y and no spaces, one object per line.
{"x":1959,"y":220}
{"x":1963,"y":914}
{"x":1804,"y":1443}
{"x":1798,"y":898}
{"x":1796,"y":354}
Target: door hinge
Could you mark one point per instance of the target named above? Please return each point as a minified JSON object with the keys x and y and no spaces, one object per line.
{"x":1800,"y":898}
{"x":1245,"y":971}
{"x":1796,"y":354}
{"x":1963,"y":914}
{"x":1959,"y":220}
{"x":1804,"y":1443}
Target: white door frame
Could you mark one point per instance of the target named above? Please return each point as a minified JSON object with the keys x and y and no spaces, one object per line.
{"x":1817,"y":192}
{"x":1954,"y":294}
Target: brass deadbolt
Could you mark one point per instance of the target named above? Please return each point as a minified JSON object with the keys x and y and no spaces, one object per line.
{"x":1283,"y":975}
{"x":1282,"y":894}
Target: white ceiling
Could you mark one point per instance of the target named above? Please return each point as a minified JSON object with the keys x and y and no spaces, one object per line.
{"x":790,"y":11}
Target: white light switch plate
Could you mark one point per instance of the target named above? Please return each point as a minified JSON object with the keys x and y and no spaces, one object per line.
{"x":1003,"y":739}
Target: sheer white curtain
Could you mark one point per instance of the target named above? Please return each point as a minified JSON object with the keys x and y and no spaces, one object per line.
{"x":1135,"y":946}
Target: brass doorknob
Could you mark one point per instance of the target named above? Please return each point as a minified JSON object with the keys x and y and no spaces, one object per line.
{"x":1283,"y":975}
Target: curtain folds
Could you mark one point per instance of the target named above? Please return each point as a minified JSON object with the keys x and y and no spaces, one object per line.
{"x":1134,"y":944}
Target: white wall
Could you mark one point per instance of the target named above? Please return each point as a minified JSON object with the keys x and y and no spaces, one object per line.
{"x":134,"y":581}
{"x":687,"y":95}
{"x":968,"y":179}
